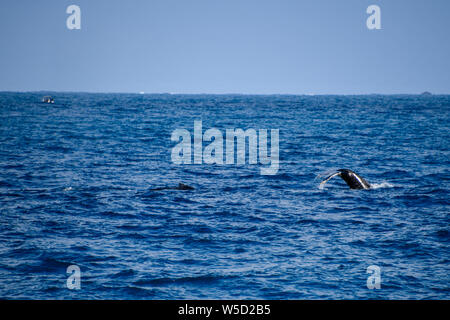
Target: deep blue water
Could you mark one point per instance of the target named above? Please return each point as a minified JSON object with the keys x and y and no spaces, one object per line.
{"x":75,"y":180}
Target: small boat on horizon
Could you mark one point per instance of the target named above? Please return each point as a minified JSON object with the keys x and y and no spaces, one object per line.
{"x":48,"y":99}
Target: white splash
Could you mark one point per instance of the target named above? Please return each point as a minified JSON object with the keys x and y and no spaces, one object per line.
{"x":372,"y":185}
{"x":381,"y":185}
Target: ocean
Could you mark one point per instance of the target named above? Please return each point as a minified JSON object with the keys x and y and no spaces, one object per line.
{"x":76,"y":180}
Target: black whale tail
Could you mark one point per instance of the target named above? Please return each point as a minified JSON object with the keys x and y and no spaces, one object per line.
{"x":353,"y":180}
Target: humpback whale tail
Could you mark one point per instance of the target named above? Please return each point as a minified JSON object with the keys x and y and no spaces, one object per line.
{"x":353,"y":180}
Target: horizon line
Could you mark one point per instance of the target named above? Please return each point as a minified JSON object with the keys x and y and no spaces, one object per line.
{"x":227,"y":93}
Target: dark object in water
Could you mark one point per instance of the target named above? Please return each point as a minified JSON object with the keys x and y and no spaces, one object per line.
{"x":181,"y":186}
{"x":426,"y":93}
{"x":353,"y":180}
{"x":48,"y":99}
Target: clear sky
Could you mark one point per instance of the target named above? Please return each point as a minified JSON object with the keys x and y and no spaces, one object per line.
{"x":226,"y":46}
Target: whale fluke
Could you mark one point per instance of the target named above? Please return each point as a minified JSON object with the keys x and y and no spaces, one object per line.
{"x":353,"y":180}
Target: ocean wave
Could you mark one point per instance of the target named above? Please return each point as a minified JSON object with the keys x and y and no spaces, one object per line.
{"x":238,"y":234}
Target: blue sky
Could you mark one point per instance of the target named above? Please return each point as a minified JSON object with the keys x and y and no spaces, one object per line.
{"x":232,"y":46}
